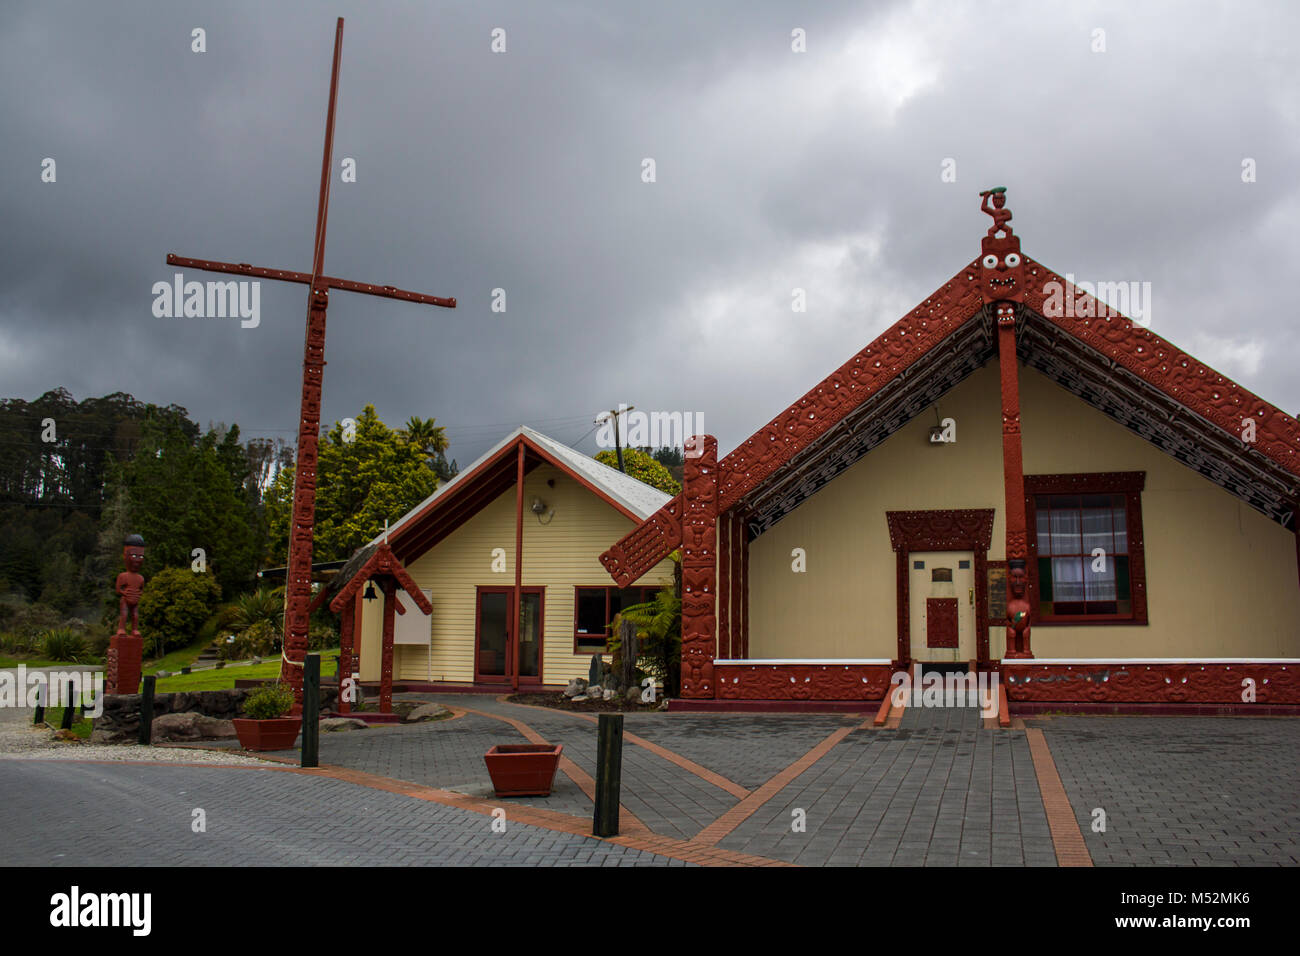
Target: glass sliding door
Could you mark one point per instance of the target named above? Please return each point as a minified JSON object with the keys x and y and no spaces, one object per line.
{"x":492,"y":644}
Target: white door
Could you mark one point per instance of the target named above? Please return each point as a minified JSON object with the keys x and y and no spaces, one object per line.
{"x":941,"y":595}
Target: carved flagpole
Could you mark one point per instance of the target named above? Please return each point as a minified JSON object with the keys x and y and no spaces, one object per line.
{"x":297,"y":598}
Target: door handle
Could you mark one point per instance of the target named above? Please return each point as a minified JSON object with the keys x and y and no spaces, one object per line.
{"x":972,"y":596}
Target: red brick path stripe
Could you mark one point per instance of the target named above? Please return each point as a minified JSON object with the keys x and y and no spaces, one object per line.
{"x":546,"y":819}
{"x":742,"y":811}
{"x":690,"y":766}
{"x":627,"y":819}
{"x":1070,"y":848}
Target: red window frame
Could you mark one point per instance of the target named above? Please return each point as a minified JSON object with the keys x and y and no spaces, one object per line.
{"x":1126,"y":483}
{"x":647,"y":594}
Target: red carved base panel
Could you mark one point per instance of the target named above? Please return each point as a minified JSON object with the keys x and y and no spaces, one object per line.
{"x":122,"y":670}
{"x":1156,"y":683}
{"x":802,"y":681}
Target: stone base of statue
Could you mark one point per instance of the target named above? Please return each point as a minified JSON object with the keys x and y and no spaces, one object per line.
{"x":123,"y":664}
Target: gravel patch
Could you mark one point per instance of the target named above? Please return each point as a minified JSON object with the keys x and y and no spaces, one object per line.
{"x":22,"y":741}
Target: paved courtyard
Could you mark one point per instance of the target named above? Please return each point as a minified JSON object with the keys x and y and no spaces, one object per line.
{"x":936,"y":787}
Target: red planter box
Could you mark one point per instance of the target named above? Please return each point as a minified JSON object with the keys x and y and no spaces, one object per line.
{"x":278,"y":733}
{"x":523,"y":770}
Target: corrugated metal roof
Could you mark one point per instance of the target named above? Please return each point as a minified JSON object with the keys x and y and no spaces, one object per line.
{"x":636,"y":496}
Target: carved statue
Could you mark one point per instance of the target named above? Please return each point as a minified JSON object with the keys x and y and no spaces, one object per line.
{"x":1017,"y":610}
{"x":1001,"y":216}
{"x":130,"y":583}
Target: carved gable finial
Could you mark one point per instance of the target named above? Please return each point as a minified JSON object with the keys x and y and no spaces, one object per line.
{"x":1001,"y":215}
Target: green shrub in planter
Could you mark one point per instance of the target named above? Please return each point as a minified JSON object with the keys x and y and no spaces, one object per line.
{"x":275,"y":700}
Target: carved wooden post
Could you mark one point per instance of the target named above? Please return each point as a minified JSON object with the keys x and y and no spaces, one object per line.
{"x":1002,"y":284}
{"x":347,"y":628}
{"x":699,"y":566}
{"x":386,"y":655}
{"x":628,"y":653}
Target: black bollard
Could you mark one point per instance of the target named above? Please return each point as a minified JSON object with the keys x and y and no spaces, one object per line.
{"x":146,"y":711}
{"x":311,"y":710}
{"x":609,"y":774}
{"x":69,"y":708}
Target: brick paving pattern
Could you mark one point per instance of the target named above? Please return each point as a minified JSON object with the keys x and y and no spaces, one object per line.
{"x":132,"y":815}
{"x":1196,"y":791}
{"x":938,"y":791}
{"x":933,"y":787}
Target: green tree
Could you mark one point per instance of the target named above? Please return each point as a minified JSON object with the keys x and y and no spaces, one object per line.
{"x":185,"y":494}
{"x":377,"y":475}
{"x":669,"y":456}
{"x":642,"y":467}
{"x":173,"y":607}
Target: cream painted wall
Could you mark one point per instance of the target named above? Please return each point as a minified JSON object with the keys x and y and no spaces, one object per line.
{"x":1221,"y":578}
{"x":557,"y":556}
{"x":844,"y":605}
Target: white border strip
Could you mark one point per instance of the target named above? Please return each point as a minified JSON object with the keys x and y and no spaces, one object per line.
{"x":1099,"y":661}
{"x":823,"y":661}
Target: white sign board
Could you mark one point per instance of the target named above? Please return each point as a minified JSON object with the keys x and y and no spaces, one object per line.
{"x":413,"y":627}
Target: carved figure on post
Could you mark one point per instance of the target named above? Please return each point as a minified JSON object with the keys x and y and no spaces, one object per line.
{"x":1017,"y":610}
{"x":130,"y":583}
{"x":126,"y":651}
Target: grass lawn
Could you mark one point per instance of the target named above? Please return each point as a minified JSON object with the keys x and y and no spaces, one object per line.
{"x":225,"y":678}
{"x":82,"y":727}
{"x":177,"y":659}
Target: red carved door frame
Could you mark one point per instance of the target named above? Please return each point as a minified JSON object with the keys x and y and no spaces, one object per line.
{"x":942,"y":530}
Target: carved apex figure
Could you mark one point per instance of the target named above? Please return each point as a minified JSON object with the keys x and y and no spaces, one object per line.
{"x":130,"y":583}
{"x":1001,"y":215}
{"x":1002,"y":270}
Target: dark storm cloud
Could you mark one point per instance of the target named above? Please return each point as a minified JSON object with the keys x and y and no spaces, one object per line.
{"x":521,"y":171}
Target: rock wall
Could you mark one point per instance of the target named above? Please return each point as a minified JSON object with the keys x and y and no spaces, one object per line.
{"x":120,"y":721}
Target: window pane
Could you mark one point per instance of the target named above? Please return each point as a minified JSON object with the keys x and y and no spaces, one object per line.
{"x":1065,"y":532}
{"x":591,"y":612}
{"x":1067,"y":579}
{"x":1045,"y":590}
{"x":1119,"y":517}
{"x":1122,"y":585}
{"x":1044,"y":537}
{"x":1100,"y":585}
{"x":1096,"y":529}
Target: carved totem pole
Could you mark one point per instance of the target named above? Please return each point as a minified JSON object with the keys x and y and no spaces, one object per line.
{"x":1002,"y":282}
{"x":125,"y":652}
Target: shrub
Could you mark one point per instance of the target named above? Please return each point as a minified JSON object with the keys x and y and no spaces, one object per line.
{"x":64,"y":644}
{"x":274,"y":700}
{"x":258,"y":640}
{"x":20,"y":645}
{"x":173,"y":608}
{"x":322,"y":636}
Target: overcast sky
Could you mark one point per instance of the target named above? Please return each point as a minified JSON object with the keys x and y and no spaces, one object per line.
{"x":522,"y":171}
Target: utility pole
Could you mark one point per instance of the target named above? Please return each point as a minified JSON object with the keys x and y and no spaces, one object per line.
{"x":618,"y":444}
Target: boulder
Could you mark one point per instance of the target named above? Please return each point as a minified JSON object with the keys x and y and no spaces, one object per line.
{"x":576,"y":686}
{"x":634,"y":695}
{"x":333,"y":725}
{"x":425,"y":712}
{"x":190,"y":726}
{"x":581,"y":697}
{"x":609,"y":693}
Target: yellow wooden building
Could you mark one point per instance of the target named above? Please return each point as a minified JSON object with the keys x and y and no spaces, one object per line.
{"x":531,"y":516}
